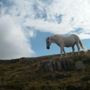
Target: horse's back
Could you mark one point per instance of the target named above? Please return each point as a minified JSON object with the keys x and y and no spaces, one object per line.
{"x":66,"y":37}
{"x":66,"y":40}
{"x":72,"y":36}
{"x":75,"y":37}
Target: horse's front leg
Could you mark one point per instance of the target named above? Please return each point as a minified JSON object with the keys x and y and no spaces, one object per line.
{"x":62,"y":50}
{"x":78,"y":49}
{"x":73,"y":49}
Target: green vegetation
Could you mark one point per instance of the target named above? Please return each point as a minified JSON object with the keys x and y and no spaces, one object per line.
{"x":29,"y":74}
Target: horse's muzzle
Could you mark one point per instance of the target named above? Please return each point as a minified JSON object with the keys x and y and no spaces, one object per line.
{"x":48,"y":47}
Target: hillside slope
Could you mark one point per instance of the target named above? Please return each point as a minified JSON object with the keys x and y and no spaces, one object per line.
{"x":71,"y":72}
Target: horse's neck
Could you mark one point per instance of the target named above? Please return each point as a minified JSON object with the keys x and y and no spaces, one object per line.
{"x":55,"y":39}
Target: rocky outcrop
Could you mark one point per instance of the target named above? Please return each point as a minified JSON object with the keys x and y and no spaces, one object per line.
{"x":61,"y":65}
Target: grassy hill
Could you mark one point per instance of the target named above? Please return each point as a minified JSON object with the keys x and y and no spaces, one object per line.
{"x":71,"y":72}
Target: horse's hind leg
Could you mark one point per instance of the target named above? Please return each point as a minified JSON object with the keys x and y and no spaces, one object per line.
{"x":73,"y":49}
{"x":78,"y":48}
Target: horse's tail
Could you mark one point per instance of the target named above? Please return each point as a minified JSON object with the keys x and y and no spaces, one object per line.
{"x":81,"y":45}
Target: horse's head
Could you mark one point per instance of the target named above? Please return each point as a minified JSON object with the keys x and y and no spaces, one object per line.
{"x":48,"y":42}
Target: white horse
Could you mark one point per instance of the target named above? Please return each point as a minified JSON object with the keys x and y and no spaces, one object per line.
{"x":65,"y":41}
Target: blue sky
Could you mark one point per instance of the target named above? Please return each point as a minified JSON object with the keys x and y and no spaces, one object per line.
{"x":25,"y":24}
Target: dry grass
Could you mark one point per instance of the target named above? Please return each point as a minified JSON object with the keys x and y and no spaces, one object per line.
{"x":22,"y":74}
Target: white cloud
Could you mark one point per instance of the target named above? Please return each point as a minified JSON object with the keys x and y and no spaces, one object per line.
{"x":84,"y":36}
{"x":46,"y":26}
{"x":13,"y":43}
{"x":76,"y":14}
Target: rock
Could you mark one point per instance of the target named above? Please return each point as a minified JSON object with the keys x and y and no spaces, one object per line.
{"x":67,"y":65}
{"x":57,"y":65}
